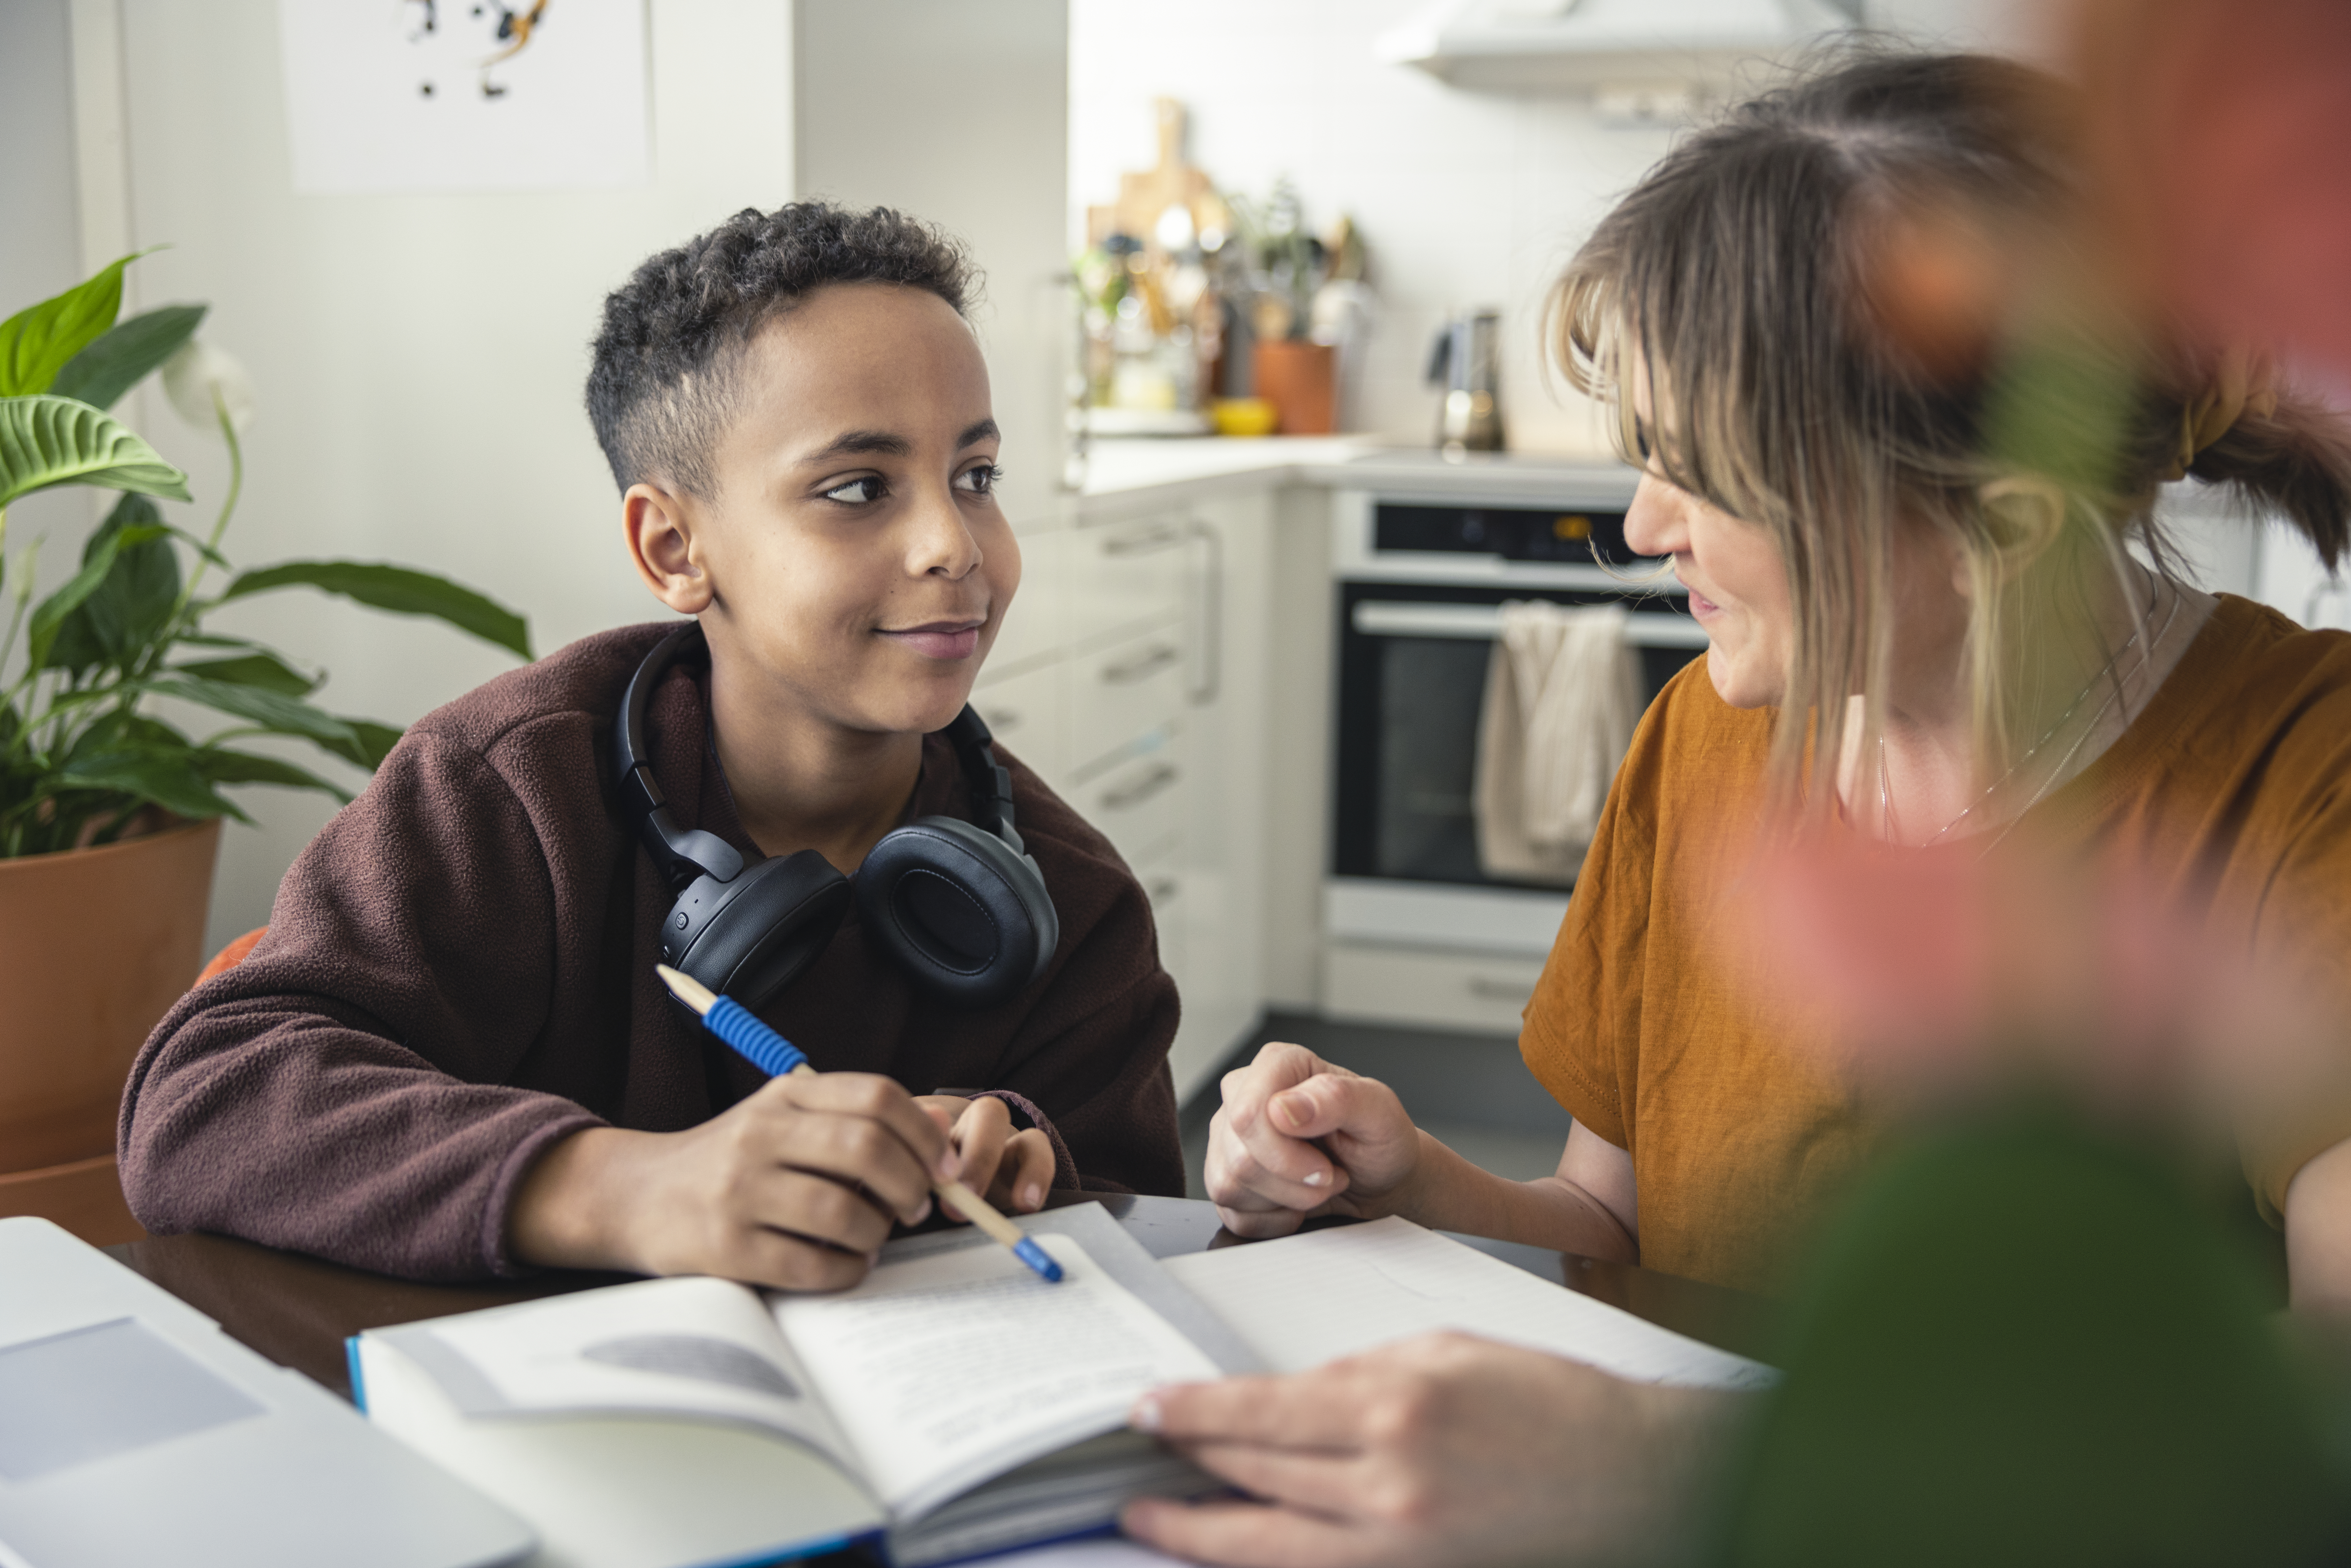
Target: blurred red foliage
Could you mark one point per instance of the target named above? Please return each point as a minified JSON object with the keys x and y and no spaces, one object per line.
{"x":2222,"y":130}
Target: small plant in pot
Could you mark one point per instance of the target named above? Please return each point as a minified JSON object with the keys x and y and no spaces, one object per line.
{"x":109,"y":812}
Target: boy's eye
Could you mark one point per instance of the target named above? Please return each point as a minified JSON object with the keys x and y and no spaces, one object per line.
{"x":979,"y":481}
{"x":863,"y":490}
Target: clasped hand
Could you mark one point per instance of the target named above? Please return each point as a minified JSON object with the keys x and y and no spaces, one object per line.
{"x":1298,"y":1135}
{"x":797,"y":1186}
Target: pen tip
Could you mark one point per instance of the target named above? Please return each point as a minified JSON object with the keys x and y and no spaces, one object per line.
{"x":1037,"y":1258}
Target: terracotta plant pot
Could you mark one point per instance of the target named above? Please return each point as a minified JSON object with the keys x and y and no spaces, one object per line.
{"x":1301,"y":379}
{"x":95,"y":946}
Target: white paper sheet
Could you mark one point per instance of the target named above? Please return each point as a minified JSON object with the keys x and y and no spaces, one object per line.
{"x":664,"y":1346}
{"x":464,"y":95}
{"x":1308,"y":1299}
{"x":948,"y":1369}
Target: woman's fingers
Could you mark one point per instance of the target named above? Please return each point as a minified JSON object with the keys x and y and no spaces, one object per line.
{"x":1315,"y":1411}
{"x":1245,"y":1534}
{"x":1318,"y":1481}
{"x":1249,"y":1161}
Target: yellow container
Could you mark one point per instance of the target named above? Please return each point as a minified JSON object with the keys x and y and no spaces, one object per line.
{"x":1243,"y":416}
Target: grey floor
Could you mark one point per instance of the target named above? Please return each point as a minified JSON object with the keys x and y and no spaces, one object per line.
{"x":1471,"y":1091}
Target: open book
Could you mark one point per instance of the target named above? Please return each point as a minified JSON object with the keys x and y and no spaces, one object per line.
{"x":953,"y":1402}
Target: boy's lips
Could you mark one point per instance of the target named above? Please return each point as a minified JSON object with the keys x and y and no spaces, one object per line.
{"x":939,"y":639}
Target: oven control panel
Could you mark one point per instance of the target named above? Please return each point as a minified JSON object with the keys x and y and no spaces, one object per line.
{"x":1563,"y":535}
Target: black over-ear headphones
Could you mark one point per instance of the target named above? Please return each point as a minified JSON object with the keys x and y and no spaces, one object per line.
{"x":961,"y":908}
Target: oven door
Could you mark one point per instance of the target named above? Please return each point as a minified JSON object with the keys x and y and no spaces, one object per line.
{"x":1412,"y":681}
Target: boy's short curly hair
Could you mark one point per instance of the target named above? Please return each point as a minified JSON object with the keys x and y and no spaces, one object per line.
{"x":663,"y":383}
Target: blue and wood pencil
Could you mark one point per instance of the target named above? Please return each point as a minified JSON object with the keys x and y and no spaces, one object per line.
{"x":774,"y":1055}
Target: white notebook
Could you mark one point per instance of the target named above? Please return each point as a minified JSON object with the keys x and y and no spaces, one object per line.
{"x":1314,"y":1297}
{"x":953,"y":1402}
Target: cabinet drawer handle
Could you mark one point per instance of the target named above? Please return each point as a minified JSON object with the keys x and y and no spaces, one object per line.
{"x":1149,"y":542}
{"x":1498,"y":990}
{"x":999,"y":720}
{"x":1142,"y":789}
{"x":1142,"y":666}
{"x":1161,"y":889}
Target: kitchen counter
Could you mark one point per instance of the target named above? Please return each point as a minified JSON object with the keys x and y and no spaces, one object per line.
{"x":1124,"y":471}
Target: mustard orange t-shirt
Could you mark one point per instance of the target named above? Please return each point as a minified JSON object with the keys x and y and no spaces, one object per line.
{"x":2231,"y":794}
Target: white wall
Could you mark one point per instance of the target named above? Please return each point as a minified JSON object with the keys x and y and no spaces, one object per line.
{"x":1464,"y":198}
{"x":969,"y":134}
{"x":418,"y":358}
{"x":42,"y":254}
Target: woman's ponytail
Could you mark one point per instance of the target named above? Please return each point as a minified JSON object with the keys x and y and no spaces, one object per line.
{"x":2296,"y":460}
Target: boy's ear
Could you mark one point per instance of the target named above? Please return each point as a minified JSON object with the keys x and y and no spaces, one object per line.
{"x":659,"y":530}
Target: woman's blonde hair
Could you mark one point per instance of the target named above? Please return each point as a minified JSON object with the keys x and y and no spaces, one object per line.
{"x":1739,"y":291}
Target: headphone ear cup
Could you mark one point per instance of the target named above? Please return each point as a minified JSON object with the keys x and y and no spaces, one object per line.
{"x":964,"y":914}
{"x":750,"y":937}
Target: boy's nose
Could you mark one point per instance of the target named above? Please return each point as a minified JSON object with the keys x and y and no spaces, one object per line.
{"x":943,"y":545}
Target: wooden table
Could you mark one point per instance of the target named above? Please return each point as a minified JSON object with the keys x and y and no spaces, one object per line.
{"x":297,"y":1311}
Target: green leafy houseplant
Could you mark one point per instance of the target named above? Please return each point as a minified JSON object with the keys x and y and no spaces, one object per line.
{"x":83,"y":760}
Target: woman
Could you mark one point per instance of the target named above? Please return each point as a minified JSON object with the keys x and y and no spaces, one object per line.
{"x":1896,"y":448}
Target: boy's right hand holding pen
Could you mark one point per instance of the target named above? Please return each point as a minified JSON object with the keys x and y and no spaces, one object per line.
{"x":794,"y":1187}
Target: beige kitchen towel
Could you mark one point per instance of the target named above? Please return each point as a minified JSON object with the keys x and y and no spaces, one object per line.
{"x":1563,"y":694}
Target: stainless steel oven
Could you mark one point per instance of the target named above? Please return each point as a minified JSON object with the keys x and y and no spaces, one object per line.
{"x":1420,"y":585}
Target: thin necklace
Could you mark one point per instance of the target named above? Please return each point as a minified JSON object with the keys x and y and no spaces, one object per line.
{"x":1885,"y":777}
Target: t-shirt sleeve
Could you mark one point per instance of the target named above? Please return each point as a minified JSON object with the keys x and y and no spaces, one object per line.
{"x":1581,"y":1033}
{"x":341,"y":1091}
{"x":2297,"y":1101}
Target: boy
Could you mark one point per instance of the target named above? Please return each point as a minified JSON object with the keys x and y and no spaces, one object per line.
{"x":451,"y":1057}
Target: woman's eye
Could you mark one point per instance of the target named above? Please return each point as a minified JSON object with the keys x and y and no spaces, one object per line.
{"x":859,"y":492}
{"x":979,"y":481}
{"x":1641,"y":440}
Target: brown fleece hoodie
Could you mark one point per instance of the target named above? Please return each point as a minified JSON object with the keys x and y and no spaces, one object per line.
{"x":459,"y":970}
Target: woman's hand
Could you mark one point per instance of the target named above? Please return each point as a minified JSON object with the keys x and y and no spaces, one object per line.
{"x":1010,"y":1169}
{"x":795,"y":1188}
{"x":1298,"y":1135}
{"x":1441,"y":1450}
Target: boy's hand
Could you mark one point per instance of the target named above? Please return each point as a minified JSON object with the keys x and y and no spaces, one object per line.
{"x":1010,"y":1169}
{"x":795,"y":1187}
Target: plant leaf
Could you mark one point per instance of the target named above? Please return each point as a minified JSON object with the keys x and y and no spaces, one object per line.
{"x":257,"y":668}
{"x":272,"y":711}
{"x":123,"y":617}
{"x":124,"y":353}
{"x":397,"y":589}
{"x":50,"y":615}
{"x":46,"y":441}
{"x":372,"y":743}
{"x":37,"y":341}
{"x":223,"y":765}
{"x":169,"y":778}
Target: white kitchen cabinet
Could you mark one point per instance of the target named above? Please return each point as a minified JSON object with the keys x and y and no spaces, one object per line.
{"x":1128,"y":674}
{"x":1027,"y":714}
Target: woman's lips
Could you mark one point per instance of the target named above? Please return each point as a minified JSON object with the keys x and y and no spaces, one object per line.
{"x":1701,"y":606}
{"x":941,"y":640}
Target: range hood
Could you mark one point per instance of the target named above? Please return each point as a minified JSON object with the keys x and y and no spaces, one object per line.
{"x":1517,"y":46}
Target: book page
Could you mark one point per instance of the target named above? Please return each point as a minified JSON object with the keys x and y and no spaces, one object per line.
{"x":691,"y":1346}
{"x":1314,"y":1297}
{"x":945,"y":1370}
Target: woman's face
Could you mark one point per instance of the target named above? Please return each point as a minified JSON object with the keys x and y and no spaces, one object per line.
{"x":1738,"y":587}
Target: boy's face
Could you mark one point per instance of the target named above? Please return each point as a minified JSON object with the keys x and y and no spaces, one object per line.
{"x":853,"y":563}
